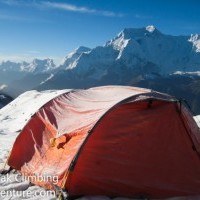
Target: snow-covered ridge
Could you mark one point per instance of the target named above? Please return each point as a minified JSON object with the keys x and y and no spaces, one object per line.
{"x":72,"y":57}
{"x":197,"y":119}
{"x":24,"y":107}
{"x":136,"y":48}
{"x":195,"y":40}
{"x":132,"y":47}
{"x":39,"y":66}
{"x":36,"y":66}
{"x":134,"y":52}
{"x":136,"y":33}
{"x":15,"y":115}
{"x":197,"y":73}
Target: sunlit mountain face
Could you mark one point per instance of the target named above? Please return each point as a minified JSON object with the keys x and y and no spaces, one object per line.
{"x":136,"y":56}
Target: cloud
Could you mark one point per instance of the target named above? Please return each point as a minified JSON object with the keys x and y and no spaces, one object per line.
{"x":61,"y":6}
{"x":79,"y":9}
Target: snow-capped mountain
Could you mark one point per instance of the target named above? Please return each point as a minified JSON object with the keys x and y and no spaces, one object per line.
{"x":21,"y":76}
{"x":148,"y":45}
{"x":135,"y":55}
{"x":138,"y":51}
{"x":36,"y":66}
{"x":12,"y":71}
{"x":142,"y":51}
{"x":70,"y":59}
{"x":11,"y":66}
{"x":39,"y":66}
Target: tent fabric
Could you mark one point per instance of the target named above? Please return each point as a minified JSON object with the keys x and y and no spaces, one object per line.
{"x":114,"y":141}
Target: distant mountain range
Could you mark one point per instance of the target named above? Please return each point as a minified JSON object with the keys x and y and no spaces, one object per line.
{"x":142,"y":57}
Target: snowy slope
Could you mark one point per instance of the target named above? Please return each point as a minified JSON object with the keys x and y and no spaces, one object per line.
{"x":140,"y":50}
{"x":39,"y":66}
{"x":133,"y":55}
{"x":15,"y":115}
{"x":71,"y":58}
{"x":169,"y":53}
{"x":137,"y":49}
{"x":12,"y":119}
{"x":197,"y":119}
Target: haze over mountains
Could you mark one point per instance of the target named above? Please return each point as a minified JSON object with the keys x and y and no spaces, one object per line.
{"x":140,"y":57}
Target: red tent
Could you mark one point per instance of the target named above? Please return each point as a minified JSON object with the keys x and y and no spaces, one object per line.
{"x":114,"y":141}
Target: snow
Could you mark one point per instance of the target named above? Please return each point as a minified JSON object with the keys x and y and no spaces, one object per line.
{"x":197,"y":119}
{"x":150,"y":28}
{"x":39,"y":66}
{"x":3,"y":86}
{"x":36,"y":66}
{"x":135,"y":48}
{"x":197,"y":73}
{"x":147,"y":44}
{"x":13,"y":117}
{"x":131,"y":47}
{"x":49,"y":78}
{"x":94,"y":63}
{"x":119,"y":44}
{"x":70,"y":59}
{"x":195,"y":40}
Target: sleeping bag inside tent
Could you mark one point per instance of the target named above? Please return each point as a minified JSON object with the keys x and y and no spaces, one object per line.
{"x":112,"y":141}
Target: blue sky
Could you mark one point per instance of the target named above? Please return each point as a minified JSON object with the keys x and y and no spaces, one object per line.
{"x":33,"y":28}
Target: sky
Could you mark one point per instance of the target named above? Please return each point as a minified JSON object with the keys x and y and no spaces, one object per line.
{"x":40,"y":29}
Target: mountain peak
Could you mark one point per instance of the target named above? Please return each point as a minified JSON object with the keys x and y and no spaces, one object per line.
{"x":132,"y":33}
{"x":37,"y":60}
{"x":72,"y":56}
{"x":82,"y":49}
{"x":151,"y":28}
{"x":39,"y":65}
